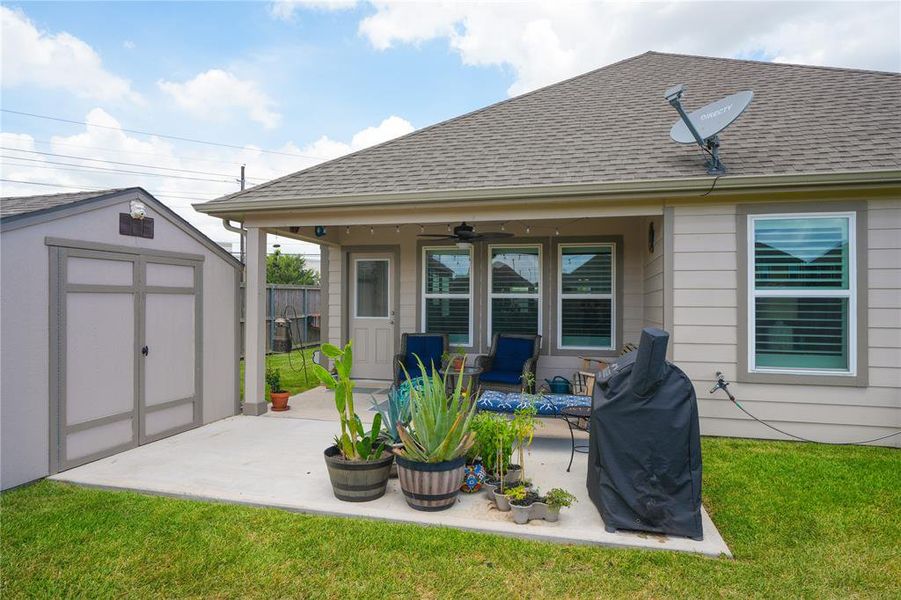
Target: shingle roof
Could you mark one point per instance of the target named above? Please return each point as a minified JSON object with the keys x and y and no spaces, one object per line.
{"x":14,"y":206}
{"x":612,"y":125}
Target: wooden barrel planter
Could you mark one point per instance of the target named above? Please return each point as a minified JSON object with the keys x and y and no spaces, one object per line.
{"x":357,"y":481}
{"x":430,"y":486}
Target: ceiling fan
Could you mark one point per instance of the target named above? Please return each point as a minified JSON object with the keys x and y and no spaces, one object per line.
{"x":466,"y":234}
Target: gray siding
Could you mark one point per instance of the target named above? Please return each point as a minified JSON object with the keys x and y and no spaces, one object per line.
{"x":705,"y":312}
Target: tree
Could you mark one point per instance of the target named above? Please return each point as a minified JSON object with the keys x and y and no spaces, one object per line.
{"x":289,"y":269}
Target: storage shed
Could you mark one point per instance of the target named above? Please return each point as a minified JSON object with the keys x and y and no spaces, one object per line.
{"x":118,"y":327}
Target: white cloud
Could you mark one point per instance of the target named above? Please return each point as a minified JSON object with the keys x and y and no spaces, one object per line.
{"x":214,"y":94}
{"x":544,"y":42}
{"x":128,"y":45}
{"x":154,"y":155}
{"x":55,"y":61}
{"x":285,"y":9}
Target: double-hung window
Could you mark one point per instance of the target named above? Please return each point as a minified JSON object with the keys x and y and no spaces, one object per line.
{"x":447,"y":293}
{"x":802,"y":283}
{"x":585,"y":300}
{"x":514,"y":289}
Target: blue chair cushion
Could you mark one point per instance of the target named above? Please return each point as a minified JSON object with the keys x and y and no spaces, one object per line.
{"x":512,"y":353}
{"x":428,"y":348}
{"x":507,"y":377}
{"x":548,"y":405}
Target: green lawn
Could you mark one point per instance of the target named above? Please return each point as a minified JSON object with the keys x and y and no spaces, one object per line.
{"x":291,"y":367}
{"x":803,"y":521}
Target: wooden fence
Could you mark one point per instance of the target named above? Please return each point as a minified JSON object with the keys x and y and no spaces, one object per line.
{"x":299,"y":303}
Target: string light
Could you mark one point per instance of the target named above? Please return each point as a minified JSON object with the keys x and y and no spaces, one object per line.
{"x":448,"y":227}
{"x":347,"y":230}
{"x":371,"y":231}
{"x":421,"y":229}
{"x":556,"y":231}
{"x":503,"y":228}
{"x":397,"y":229}
{"x":528,"y":229}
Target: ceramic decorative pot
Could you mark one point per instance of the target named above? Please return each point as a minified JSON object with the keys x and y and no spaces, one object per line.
{"x":473,"y":476}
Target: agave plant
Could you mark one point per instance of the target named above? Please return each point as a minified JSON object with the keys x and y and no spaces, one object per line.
{"x":398,"y":410}
{"x":439,"y":428}
{"x":354,"y":442}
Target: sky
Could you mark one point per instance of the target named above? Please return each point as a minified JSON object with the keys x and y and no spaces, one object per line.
{"x":281,"y":86}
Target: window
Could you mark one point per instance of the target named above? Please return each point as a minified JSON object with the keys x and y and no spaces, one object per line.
{"x":585,"y":296}
{"x":514,"y":290}
{"x":447,"y":293}
{"x":372,"y":288}
{"x":802,"y":283}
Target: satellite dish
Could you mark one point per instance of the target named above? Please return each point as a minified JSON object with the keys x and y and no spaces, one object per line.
{"x":703,"y":126}
{"x":712,"y":119}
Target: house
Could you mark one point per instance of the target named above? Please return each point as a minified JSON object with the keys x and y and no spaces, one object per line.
{"x":783,"y":274}
{"x":118,"y":327}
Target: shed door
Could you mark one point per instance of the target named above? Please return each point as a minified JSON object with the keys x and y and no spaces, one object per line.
{"x":108,"y":394}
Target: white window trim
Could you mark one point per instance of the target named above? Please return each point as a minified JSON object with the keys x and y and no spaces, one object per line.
{"x":538,"y":295}
{"x":850,"y":294}
{"x":356,"y":295}
{"x":425,"y":296}
{"x":611,"y":296}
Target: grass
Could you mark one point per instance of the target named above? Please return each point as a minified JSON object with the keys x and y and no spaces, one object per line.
{"x":291,"y":366}
{"x":802,"y":520}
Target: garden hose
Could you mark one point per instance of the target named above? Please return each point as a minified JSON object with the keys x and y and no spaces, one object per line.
{"x":722,"y":384}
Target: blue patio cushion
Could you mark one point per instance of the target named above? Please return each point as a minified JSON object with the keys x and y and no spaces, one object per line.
{"x":428,"y":348}
{"x":511,"y":354}
{"x":495,"y":376}
{"x":547,"y":405}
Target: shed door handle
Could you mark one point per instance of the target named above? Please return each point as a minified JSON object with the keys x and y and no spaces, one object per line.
{"x":145,"y":350}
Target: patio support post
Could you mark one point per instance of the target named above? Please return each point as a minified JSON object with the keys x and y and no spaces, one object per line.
{"x":255,"y":324}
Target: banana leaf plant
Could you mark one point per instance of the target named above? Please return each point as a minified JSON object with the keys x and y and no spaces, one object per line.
{"x":440,"y":423}
{"x":354,"y":442}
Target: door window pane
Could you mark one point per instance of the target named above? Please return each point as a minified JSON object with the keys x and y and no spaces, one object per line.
{"x":372,"y":288}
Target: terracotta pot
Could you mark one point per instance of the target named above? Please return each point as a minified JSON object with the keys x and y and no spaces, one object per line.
{"x":457,"y":363}
{"x":357,"y":480}
{"x":279,"y":400}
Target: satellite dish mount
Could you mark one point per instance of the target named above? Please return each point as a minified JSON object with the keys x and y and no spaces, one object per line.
{"x":703,"y":126}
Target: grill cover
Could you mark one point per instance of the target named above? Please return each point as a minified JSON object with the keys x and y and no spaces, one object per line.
{"x":644,"y":458}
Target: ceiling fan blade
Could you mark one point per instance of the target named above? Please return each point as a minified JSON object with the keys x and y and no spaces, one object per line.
{"x":436,"y":236}
{"x":494,"y":235}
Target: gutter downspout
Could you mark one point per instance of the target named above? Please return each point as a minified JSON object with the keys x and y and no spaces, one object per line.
{"x":242,"y":233}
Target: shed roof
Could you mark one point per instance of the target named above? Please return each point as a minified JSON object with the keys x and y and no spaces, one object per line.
{"x":14,"y":206}
{"x":25,"y":211}
{"x":612,"y":125}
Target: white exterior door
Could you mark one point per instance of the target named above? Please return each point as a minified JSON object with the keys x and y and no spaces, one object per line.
{"x":126,"y":351}
{"x":372,"y":314}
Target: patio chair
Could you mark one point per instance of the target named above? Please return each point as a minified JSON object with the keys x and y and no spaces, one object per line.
{"x":512,"y":360}
{"x":429,"y":347}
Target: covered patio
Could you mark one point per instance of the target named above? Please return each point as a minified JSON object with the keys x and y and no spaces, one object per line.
{"x":276,"y":461}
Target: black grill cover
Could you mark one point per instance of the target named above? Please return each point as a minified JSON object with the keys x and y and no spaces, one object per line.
{"x":644,"y":458}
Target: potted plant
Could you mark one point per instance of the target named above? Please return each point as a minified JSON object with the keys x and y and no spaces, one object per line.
{"x":455,"y":359}
{"x":397,"y":412}
{"x":277,"y":395}
{"x":523,"y":430}
{"x":430,"y":463}
{"x":358,"y":463}
{"x":494,"y":444}
{"x":523,"y":503}
{"x":556,"y":499}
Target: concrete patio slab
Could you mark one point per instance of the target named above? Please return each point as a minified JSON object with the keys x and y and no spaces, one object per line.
{"x":277,"y":462}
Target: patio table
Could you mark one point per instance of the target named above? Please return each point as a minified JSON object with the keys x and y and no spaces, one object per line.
{"x":576,"y":417}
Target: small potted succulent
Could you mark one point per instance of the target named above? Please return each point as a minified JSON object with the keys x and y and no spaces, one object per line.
{"x":277,"y":395}
{"x":435,"y":443}
{"x":522,"y":503}
{"x":556,"y":499}
{"x":358,"y":462}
